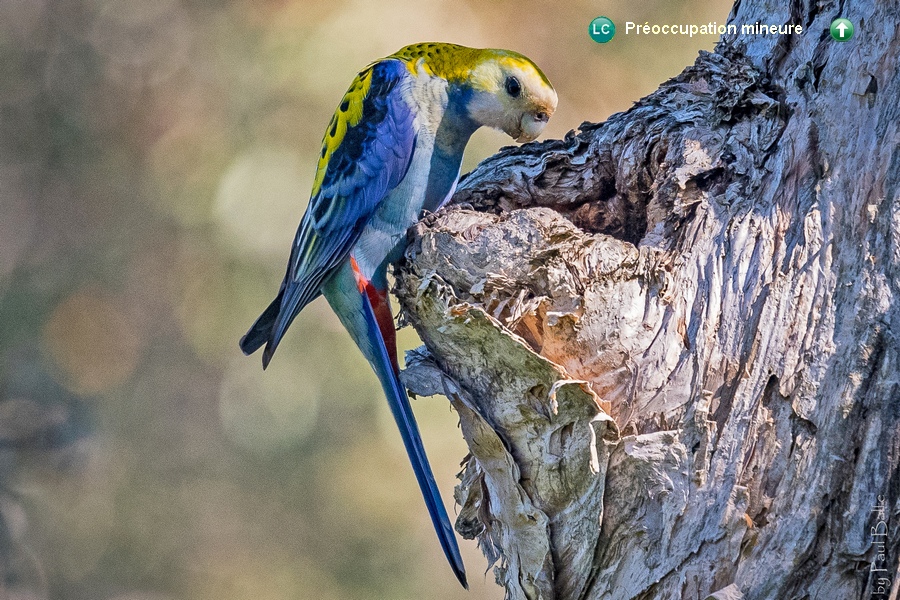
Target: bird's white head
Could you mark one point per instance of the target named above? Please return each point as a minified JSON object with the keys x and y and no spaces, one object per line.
{"x":510,"y":93}
{"x":507,"y":90}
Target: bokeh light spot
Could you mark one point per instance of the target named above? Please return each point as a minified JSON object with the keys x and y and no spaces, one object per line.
{"x":142,"y":42}
{"x":186,"y":163}
{"x":90,"y":338}
{"x":261,"y":193}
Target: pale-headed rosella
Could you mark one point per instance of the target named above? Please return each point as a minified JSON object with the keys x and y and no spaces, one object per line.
{"x":392,"y":151}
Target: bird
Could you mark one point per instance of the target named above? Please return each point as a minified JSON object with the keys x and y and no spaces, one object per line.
{"x":391,"y":153}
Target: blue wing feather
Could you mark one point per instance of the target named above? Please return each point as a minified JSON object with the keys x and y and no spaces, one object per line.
{"x":371,"y":160}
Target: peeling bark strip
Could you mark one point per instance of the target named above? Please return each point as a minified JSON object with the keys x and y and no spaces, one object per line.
{"x":523,"y":425}
{"x":680,"y":327}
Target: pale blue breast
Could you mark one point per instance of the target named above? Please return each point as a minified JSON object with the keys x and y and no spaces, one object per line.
{"x":443,"y":132}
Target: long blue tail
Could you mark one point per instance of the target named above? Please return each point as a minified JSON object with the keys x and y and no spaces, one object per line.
{"x":409,"y":430}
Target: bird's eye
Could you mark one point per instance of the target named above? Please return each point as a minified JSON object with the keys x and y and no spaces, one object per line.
{"x":513,"y":88}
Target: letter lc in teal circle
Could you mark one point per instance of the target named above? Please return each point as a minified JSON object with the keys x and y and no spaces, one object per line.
{"x":602,"y":29}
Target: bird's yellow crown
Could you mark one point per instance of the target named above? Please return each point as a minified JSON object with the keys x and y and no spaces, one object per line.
{"x":455,"y":63}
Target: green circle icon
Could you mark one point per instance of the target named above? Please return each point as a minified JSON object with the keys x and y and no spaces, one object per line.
{"x":602,"y":29}
{"x":841,"y":30}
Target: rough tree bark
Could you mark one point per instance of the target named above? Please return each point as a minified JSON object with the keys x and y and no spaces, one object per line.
{"x":672,"y":337}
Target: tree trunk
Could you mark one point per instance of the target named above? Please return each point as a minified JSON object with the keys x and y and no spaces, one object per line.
{"x":672,"y":337}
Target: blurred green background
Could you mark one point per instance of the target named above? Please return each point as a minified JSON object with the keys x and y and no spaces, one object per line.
{"x":155,"y":158}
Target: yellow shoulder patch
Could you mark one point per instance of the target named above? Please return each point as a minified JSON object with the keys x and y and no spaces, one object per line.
{"x":347,"y":115}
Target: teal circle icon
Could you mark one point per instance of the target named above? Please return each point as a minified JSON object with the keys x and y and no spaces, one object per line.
{"x":842,"y":30}
{"x":602,"y":29}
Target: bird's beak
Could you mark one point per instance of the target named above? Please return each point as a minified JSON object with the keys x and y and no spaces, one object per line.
{"x":531,"y":125}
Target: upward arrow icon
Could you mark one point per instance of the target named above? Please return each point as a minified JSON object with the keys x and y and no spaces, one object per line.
{"x":842,"y":30}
